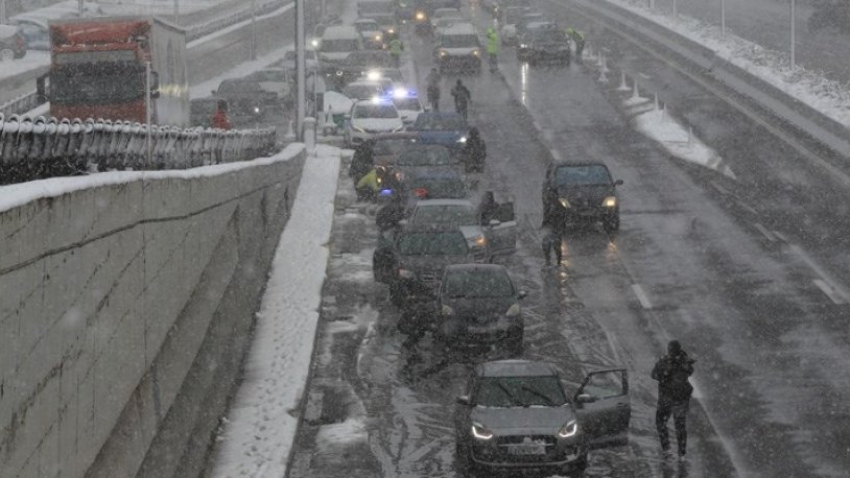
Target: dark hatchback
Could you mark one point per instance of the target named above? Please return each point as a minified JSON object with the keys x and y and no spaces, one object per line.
{"x":248,"y":103}
{"x":545,"y":44}
{"x":517,"y":416}
{"x":582,"y":193}
{"x":478,"y":304}
{"x":444,"y":128}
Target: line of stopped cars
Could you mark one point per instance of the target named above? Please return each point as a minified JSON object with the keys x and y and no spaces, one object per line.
{"x":440,"y":253}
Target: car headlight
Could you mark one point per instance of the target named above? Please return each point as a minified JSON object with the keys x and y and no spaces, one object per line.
{"x":339,"y":73}
{"x":568,"y":430}
{"x":256,"y":110}
{"x":420,"y":16}
{"x":513,"y":310}
{"x":391,"y":31}
{"x":523,"y":45}
{"x":564,"y":202}
{"x":481,"y":432}
{"x":610,"y":201}
{"x":358,"y":129}
{"x":446,"y":310}
{"x":378,"y":37}
{"x":462,"y":139}
{"x":443,"y":53}
{"x":406,"y":274}
{"x":479,"y":241}
{"x":476,"y":52}
{"x":315,"y":43}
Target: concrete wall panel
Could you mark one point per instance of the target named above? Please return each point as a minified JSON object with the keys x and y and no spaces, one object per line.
{"x":110,"y":294}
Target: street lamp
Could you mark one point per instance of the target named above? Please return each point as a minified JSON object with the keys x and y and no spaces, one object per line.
{"x":793,"y":33}
{"x":723,"y":18}
{"x":300,"y":67}
{"x":177,"y":12}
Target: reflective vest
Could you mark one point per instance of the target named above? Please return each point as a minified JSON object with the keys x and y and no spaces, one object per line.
{"x":492,"y":43}
{"x":395,"y":47}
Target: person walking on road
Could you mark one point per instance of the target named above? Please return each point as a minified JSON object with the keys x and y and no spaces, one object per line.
{"x":493,"y":49}
{"x":462,"y":98}
{"x":395,"y":50}
{"x":552,"y":234}
{"x":577,"y":37}
{"x":219,"y":119}
{"x":433,"y":86}
{"x":674,"y":395}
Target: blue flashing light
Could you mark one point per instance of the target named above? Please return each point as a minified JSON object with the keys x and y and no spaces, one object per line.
{"x":386,"y":192}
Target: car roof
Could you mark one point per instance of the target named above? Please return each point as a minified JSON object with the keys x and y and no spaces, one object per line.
{"x":365,"y":20}
{"x":441,"y":114}
{"x":477,"y":267}
{"x":340,"y":32}
{"x":515,"y":368}
{"x":444,"y":202}
{"x":435,"y":173}
{"x":374,"y":103}
{"x":575,"y":163}
{"x":459,"y":28}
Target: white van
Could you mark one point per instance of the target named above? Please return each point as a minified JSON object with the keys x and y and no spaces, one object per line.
{"x":338,"y":41}
{"x":458,"y":48}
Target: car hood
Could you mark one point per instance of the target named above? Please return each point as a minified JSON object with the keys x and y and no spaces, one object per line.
{"x":479,"y":306}
{"x":432,"y":263}
{"x":523,"y":420}
{"x":409,"y":116}
{"x":471,"y":232}
{"x":593,"y":195}
{"x":334,"y":55}
{"x":467,"y":50}
{"x":378,"y":124}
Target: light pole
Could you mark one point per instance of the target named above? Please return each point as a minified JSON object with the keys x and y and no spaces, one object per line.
{"x":300,"y":67}
{"x":793,"y":33}
{"x":80,"y":7}
{"x":723,"y":18}
{"x":2,"y":12}
{"x":675,"y":9}
{"x":177,"y":12}
{"x":253,"y":29}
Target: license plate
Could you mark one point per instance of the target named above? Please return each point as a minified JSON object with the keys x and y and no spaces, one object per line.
{"x":525,"y":450}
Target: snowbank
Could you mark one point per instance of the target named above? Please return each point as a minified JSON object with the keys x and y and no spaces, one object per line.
{"x":261,"y":426}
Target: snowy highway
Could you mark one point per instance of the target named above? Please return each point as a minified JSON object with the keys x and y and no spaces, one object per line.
{"x":744,"y":263}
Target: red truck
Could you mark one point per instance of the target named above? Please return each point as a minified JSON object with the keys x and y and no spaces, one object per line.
{"x":98,"y":70}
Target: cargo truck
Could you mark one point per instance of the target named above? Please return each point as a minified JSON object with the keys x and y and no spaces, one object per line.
{"x":99,"y":69}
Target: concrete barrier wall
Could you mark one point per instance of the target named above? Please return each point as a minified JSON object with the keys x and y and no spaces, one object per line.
{"x":122,"y":305}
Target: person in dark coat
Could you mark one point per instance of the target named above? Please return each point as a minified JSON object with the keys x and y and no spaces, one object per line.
{"x":475,"y":152}
{"x":433,"y":88}
{"x":488,"y":209}
{"x":363,"y":160}
{"x":674,"y":395}
{"x":462,"y":98}
{"x":552,"y":233}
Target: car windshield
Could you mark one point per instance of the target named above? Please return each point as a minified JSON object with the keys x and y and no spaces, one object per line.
{"x":549,"y":35}
{"x":425,"y":156}
{"x":356,"y":92}
{"x":509,"y":392}
{"x":375,"y":111}
{"x":410,"y":104}
{"x":367,"y":26}
{"x":432,"y":244}
{"x":478,"y":283}
{"x":392,"y":147}
{"x":339,"y":45}
{"x":460,"y":215}
{"x":459,"y":41}
{"x":592,"y":174}
{"x":440,"y":123}
{"x":234,"y":87}
{"x":439,"y":188}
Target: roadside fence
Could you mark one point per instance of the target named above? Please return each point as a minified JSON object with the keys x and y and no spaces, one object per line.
{"x":38,"y":148}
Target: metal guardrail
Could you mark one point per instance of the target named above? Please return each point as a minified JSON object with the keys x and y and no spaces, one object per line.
{"x":804,"y":117}
{"x":38,"y":148}
{"x":198,"y":31}
{"x":24,"y":102}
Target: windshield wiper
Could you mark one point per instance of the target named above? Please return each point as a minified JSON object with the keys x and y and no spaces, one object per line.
{"x":548,"y":400}
{"x":513,"y":399}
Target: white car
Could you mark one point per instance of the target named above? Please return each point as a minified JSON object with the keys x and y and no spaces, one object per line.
{"x":443,"y":17}
{"x":484,"y":241}
{"x":369,"y":118}
{"x":408,"y":105}
{"x":373,"y":35}
{"x":363,"y":90}
{"x":278,"y":81}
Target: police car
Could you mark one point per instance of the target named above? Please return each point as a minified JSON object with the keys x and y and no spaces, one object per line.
{"x":369,"y":118}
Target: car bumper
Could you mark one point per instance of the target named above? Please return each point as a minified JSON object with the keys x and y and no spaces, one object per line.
{"x":468,"y":62}
{"x":497,"y":459}
{"x":465,"y":332}
{"x":548,"y":55}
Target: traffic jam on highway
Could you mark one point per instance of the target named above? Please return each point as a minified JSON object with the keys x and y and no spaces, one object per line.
{"x":517,"y":270}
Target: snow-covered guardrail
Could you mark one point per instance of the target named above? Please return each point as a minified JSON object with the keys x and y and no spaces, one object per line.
{"x":24,"y":102}
{"x":195,"y":32}
{"x":37,"y":148}
{"x":804,"y":117}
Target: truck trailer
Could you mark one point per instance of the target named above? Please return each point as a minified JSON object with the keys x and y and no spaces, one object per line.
{"x":99,"y":69}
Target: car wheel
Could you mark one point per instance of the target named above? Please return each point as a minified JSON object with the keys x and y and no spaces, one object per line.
{"x":7,"y":54}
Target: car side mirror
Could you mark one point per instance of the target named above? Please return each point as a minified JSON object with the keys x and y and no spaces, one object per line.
{"x":618,"y":182}
{"x":585,"y":398}
{"x":463,"y":400}
{"x":522,"y":294}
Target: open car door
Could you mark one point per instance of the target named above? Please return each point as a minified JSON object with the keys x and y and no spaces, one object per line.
{"x":602,"y":404}
{"x":502,"y":233}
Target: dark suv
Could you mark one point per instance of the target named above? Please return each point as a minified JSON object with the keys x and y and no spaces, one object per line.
{"x":517,"y":416}
{"x":582,"y":193}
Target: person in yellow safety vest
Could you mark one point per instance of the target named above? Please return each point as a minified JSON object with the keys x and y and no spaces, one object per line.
{"x":577,"y":37}
{"x":368,"y":186}
{"x":395,"y":50}
{"x":492,"y":48}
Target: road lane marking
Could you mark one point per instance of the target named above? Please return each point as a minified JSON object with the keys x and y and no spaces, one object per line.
{"x":832,"y":285}
{"x":763,"y":230}
{"x":830,"y":291}
{"x":780,"y":236}
{"x":719,"y":188}
{"x":747,"y":207}
{"x":642,"y":297}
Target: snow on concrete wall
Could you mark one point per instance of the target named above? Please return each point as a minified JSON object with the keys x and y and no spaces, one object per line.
{"x":110,"y":286}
